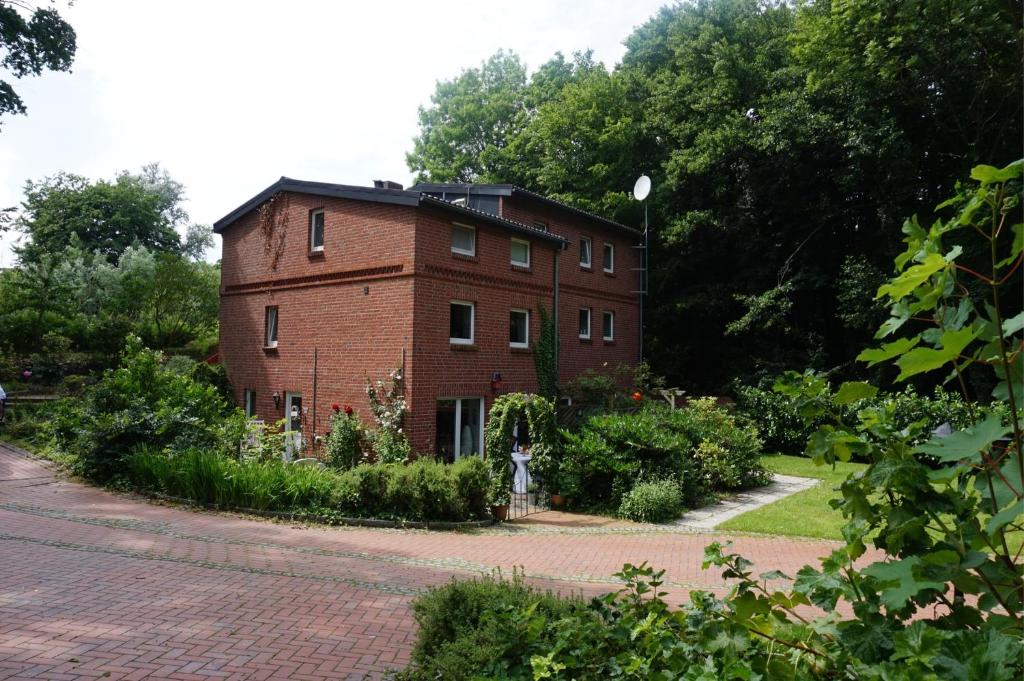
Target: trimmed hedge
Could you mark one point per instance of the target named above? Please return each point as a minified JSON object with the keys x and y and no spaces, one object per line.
{"x":421,"y":490}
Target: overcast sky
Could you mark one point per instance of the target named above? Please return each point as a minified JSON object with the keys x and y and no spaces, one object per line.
{"x":229,"y":96}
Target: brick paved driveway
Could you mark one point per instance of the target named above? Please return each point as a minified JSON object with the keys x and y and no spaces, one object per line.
{"x":96,"y":585}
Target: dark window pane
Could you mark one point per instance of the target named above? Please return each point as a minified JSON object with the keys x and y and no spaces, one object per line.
{"x":584,"y":322}
{"x":607,"y":324}
{"x":518,"y":323}
{"x":317,"y":231}
{"x":609,"y":257}
{"x":461,"y":326}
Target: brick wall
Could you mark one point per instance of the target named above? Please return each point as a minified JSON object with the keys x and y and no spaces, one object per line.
{"x":495,"y":286}
{"x":592,"y":288}
{"x":353,"y":302}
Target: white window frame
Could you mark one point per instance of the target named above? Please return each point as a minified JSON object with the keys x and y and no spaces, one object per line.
{"x":267,"y":342}
{"x":250,"y":403}
{"x":611,"y":325}
{"x":519,"y":263}
{"x":462,"y":251}
{"x":472,"y":322}
{"x":526,"y":343}
{"x":609,"y":247}
{"x":590,"y":323}
{"x":590,"y":252}
{"x":313,"y":248}
{"x":457,"y":445}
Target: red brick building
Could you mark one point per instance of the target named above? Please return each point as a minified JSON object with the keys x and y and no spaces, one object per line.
{"x":443,"y":281}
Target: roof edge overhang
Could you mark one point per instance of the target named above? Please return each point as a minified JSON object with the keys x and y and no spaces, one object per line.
{"x":509,"y":190}
{"x":399,"y":197}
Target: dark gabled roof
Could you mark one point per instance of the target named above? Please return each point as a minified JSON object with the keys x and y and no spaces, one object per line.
{"x":377,"y":195}
{"x":509,"y":190}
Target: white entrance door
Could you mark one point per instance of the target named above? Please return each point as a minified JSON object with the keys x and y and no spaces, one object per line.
{"x":292,"y":426}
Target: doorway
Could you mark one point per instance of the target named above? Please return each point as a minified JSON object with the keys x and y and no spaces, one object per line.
{"x":292,"y":426}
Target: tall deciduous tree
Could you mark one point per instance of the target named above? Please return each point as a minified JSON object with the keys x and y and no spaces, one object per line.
{"x":106,"y":216}
{"x":786,"y":143}
{"x":32,"y":40}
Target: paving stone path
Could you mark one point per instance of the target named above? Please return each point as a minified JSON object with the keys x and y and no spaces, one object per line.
{"x":711,"y":516}
{"x":99,"y":585}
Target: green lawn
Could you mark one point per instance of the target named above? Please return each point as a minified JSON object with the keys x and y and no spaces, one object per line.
{"x":804,"y":514}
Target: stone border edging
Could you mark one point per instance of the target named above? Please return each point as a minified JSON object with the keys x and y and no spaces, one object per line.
{"x":332,"y":520}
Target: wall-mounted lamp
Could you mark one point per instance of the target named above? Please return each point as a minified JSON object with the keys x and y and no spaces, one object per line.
{"x":277,"y":400}
{"x":495,"y":381}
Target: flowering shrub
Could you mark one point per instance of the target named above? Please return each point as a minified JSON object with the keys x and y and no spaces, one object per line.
{"x":387,"y":401}
{"x":344,"y":446}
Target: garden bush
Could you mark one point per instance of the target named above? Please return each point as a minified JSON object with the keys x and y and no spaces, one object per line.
{"x":421,"y":490}
{"x":140,"y":402}
{"x":728,"y":453}
{"x":344,"y":446}
{"x":700,"y":446}
{"x":652,"y":502}
{"x":484,"y":628}
{"x":784,"y":430}
{"x":612,"y":452}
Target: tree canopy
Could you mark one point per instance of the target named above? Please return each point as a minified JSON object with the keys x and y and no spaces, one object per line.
{"x":141,"y":209}
{"x":787,"y":143}
{"x":30,"y":45}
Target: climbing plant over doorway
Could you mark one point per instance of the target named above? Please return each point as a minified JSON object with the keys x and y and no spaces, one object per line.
{"x":506,"y":412}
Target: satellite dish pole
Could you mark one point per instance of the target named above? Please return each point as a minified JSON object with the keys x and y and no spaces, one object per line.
{"x":641,"y":189}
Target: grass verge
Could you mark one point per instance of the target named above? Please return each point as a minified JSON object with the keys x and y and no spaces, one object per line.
{"x":804,"y":514}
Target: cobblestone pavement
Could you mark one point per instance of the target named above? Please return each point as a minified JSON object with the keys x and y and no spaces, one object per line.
{"x":99,"y":585}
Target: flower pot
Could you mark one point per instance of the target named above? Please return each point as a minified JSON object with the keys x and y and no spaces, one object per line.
{"x":500,"y":512}
{"x":557,"y":501}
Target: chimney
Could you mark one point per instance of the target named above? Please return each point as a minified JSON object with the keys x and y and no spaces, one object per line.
{"x":386,"y":184}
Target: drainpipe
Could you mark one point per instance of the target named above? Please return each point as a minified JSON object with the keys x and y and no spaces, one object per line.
{"x":554,"y":317}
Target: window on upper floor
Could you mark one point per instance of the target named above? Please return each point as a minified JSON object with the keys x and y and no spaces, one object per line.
{"x":541,"y":225}
{"x":463,"y":239}
{"x":316,"y":231}
{"x":584,"y":323}
{"x":585,"y":248}
{"x":520,"y":253}
{"x":608,"y":325}
{"x":270,"y":337}
{"x":461,"y":322}
{"x":519,"y":328}
{"x":609,"y":257}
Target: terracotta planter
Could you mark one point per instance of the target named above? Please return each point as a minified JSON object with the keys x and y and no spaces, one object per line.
{"x":557,"y":501}
{"x":500,"y":512}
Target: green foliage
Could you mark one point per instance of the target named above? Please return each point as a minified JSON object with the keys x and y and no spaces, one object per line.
{"x":506,"y":412}
{"x":700,"y":447}
{"x":786,"y":140}
{"x":613,"y":452}
{"x":652,"y":502}
{"x":345,"y":442}
{"x":544,"y":355}
{"x":42,"y":41}
{"x":490,"y":629}
{"x":89,"y":274}
{"x":470,"y":629}
{"x":785,"y":430}
{"x":102,"y":216}
{"x":390,"y":446}
{"x":422,"y":490}
{"x":139,"y":403}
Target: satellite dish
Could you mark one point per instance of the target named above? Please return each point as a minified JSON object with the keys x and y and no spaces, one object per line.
{"x":642,"y":188}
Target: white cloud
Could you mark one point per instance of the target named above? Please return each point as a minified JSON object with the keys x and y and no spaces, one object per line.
{"x":228,"y":96}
